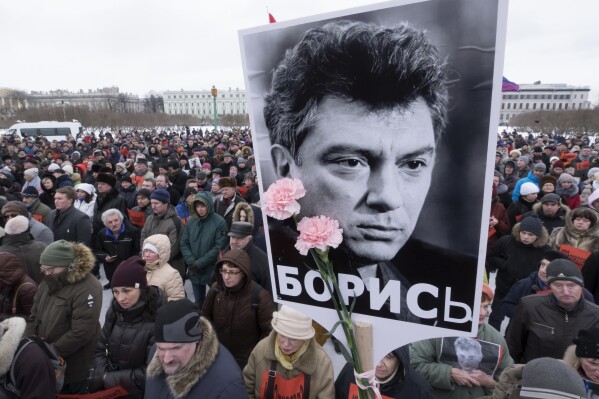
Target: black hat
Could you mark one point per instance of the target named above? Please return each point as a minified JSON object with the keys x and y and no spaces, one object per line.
{"x":126,"y":178}
{"x":96,"y":167}
{"x":188,"y":191}
{"x":178,"y":322}
{"x":106,"y":178}
{"x":30,"y":192}
{"x":130,"y":273}
{"x":173,"y":164}
{"x":587,"y":343}
{"x":564,"y":269}
{"x":241,"y":229}
{"x":532,"y":224}
{"x":142,"y":160}
{"x":161,"y":195}
{"x":144,"y":192}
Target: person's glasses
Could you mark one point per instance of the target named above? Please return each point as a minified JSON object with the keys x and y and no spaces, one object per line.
{"x":225,"y":272}
{"x":10,"y":215}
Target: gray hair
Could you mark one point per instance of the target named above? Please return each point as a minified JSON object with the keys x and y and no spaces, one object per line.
{"x":111,"y":212}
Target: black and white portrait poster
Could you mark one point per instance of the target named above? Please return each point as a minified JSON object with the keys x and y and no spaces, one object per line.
{"x":468,"y":354}
{"x":387,"y":114}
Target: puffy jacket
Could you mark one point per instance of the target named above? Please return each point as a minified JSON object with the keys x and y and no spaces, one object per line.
{"x":425,"y":360}
{"x":67,"y":314}
{"x":314,"y":362}
{"x":239,"y":324}
{"x":202,"y":240}
{"x":541,"y":328}
{"x":16,"y":287}
{"x":406,"y":383}
{"x":160,"y":273}
{"x":27,"y":250}
{"x":170,"y":225}
{"x":125,"y":343}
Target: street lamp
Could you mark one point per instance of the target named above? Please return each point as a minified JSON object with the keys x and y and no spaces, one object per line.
{"x":214,"y":92}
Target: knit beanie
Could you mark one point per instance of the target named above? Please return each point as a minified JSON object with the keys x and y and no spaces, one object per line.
{"x":32,"y":172}
{"x":161,"y":195}
{"x":106,"y":178}
{"x":526,"y":160}
{"x":58,"y":254}
{"x":144,"y":192}
{"x":532,"y":224}
{"x":122,"y":165}
{"x":552,"y":255}
{"x":17,"y":225}
{"x":188,"y":191}
{"x":528,"y":188}
{"x":564,"y":269}
{"x":551,"y":378}
{"x":53,"y":167}
{"x":178,"y":322}
{"x":68,"y":169}
{"x":565,"y":177}
{"x":551,"y":197}
{"x":292,"y":324}
{"x":587,"y":343}
{"x":85,"y":187}
{"x":130,"y":273}
{"x":558,"y":164}
{"x":540,"y":166}
{"x":30,"y":192}
{"x":241,"y":160}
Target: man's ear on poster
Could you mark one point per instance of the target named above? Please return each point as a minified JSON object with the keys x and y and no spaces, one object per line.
{"x":282,"y":161}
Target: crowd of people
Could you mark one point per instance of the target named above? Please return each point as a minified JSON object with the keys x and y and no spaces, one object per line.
{"x":154,"y":209}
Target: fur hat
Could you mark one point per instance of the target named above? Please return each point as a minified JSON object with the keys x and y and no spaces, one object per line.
{"x":161,"y":195}
{"x":16,"y":207}
{"x":178,"y":322}
{"x":564,"y":269}
{"x":547,"y":179}
{"x":17,"y":225}
{"x":528,"y":188}
{"x":96,"y":167}
{"x":106,"y":178}
{"x":551,"y":378}
{"x":130,"y":273}
{"x":226,"y":182}
{"x":58,"y":254}
{"x":30,"y":192}
{"x":144,"y":192}
{"x":291,"y":323}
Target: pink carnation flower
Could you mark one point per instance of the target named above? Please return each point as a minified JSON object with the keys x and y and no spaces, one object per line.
{"x":318,"y":232}
{"x":280,"y":200}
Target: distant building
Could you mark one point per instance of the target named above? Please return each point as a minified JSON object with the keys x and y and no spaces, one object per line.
{"x":201,"y":103}
{"x":106,"y":99}
{"x":543,"y":97}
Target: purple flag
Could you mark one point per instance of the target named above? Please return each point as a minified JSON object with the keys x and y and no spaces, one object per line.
{"x":509,"y":86}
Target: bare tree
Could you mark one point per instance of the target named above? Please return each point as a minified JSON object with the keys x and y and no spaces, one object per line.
{"x":573,"y":121}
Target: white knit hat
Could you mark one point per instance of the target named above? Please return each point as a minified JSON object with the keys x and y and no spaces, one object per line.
{"x":292,"y":324}
{"x":17,"y":225}
{"x":32,"y":172}
{"x":528,"y":188}
{"x":88,"y":188}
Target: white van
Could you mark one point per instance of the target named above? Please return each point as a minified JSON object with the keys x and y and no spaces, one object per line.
{"x":51,"y":130}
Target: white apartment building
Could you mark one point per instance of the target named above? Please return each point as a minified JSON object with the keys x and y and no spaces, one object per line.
{"x":201,"y":102}
{"x":543,"y":97}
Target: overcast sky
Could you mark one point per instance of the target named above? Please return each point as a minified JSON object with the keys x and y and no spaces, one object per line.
{"x":143,"y":45}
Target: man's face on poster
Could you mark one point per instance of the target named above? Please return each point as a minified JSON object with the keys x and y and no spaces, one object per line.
{"x":370,"y":170}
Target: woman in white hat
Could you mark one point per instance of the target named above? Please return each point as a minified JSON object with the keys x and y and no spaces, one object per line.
{"x":291,"y":359}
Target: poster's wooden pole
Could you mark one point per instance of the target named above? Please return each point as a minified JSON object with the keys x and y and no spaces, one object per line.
{"x":363,"y":331}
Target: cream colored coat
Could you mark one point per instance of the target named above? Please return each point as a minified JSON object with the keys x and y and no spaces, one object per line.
{"x":160,"y":273}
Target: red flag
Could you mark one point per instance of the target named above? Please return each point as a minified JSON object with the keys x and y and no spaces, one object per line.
{"x":271,"y":19}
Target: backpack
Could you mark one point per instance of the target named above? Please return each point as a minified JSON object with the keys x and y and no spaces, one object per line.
{"x":58,"y":363}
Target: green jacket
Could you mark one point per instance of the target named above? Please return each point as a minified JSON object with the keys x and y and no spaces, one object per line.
{"x":425,"y":359}
{"x":202,"y":240}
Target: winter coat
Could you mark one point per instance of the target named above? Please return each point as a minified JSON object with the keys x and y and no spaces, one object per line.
{"x":104,"y":202}
{"x":66,"y":313}
{"x":47,"y":195}
{"x":552,"y":222}
{"x":518,"y":208}
{"x":124,"y":246}
{"x":16,"y":288}
{"x":86,"y":207}
{"x":259,"y":263}
{"x":160,"y":273}
{"x":239,"y":325}
{"x":202,"y":240}
{"x":183,"y":211}
{"x":502,"y":227}
{"x":530,"y":178}
{"x":34,"y":374}
{"x":28,"y":250}
{"x":541,"y":328}
{"x":72,"y":225}
{"x":170,"y":225}
{"x":210,"y":373}
{"x":567,"y":235}
{"x":129,"y":195}
{"x":406,"y":383}
{"x":314,"y":362}
{"x":590,"y":274}
{"x":514,"y":260}
{"x":40,"y":231}
{"x":226,"y":210}
{"x":529,"y":286}
{"x":573,"y":361}
{"x":40,"y":209}
{"x":124,"y":346}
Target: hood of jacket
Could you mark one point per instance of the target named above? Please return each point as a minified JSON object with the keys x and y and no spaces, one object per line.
{"x":11,"y":269}
{"x":185,"y":379}
{"x":51,"y":177}
{"x":14,"y":328}
{"x":205,"y":198}
{"x":161,"y":242}
{"x":237,"y":257}
{"x":403,"y":355}
{"x":539,"y":243}
{"x":591,"y":232}
{"x":248,"y":211}
{"x":83,"y":265}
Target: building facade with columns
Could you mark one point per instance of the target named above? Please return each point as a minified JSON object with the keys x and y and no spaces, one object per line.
{"x":543,"y":97}
{"x":201,"y":102}
{"x":107,"y":98}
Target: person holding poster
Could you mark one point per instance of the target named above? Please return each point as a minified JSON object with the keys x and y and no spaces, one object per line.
{"x":464,"y":367}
